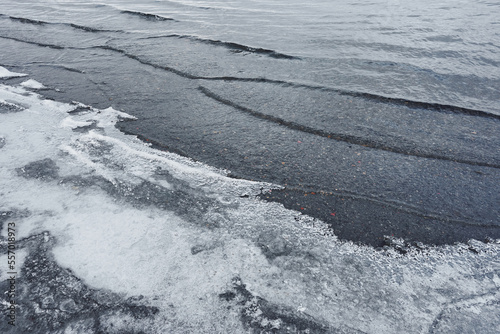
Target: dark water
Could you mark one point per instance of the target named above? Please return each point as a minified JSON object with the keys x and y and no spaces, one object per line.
{"x":379,"y":117}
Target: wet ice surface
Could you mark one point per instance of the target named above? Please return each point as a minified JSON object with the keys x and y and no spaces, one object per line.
{"x":115,"y":236}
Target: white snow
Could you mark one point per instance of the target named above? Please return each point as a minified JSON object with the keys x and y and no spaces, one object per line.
{"x":71,"y":123}
{"x":135,"y":249}
{"x":5,"y":73}
{"x":33,"y":84}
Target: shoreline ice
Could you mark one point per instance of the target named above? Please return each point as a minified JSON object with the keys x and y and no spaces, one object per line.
{"x":134,"y":227}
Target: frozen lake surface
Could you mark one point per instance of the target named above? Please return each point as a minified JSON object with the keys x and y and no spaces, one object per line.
{"x":250,"y":166}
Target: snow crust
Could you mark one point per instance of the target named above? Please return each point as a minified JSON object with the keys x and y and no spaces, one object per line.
{"x":137,"y":221}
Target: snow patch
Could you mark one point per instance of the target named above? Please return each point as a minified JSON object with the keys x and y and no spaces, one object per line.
{"x":5,"y":73}
{"x":33,"y":84}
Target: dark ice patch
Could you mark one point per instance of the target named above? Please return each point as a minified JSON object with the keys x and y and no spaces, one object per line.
{"x":86,"y":128}
{"x":402,"y":246}
{"x":2,"y":142}
{"x":227,"y":296}
{"x":370,"y":221}
{"x":44,"y":170}
{"x":198,"y":249}
{"x":79,"y":110}
{"x":6,"y":108}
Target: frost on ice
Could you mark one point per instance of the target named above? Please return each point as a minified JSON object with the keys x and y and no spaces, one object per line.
{"x":114,"y":236}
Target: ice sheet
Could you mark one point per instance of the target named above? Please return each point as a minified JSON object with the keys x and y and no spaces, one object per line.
{"x":198,"y":246}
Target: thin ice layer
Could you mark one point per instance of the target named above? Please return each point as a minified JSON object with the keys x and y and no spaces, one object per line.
{"x":182,"y":238}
